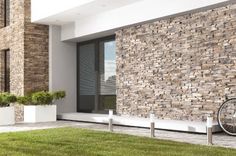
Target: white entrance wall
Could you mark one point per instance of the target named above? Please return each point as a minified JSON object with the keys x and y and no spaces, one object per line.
{"x":62,"y":69}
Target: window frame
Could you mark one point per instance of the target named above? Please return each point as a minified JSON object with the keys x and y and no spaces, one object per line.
{"x":6,"y":13}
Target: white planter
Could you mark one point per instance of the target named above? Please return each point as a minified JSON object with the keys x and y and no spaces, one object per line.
{"x":34,"y":114}
{"x":7,"y":116}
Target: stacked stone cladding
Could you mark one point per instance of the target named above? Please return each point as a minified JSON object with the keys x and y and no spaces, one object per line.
{"x":181,"y":68}
{"x":28,"y":44}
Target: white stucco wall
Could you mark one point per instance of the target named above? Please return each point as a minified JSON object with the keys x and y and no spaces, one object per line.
{"x":62,"y":69}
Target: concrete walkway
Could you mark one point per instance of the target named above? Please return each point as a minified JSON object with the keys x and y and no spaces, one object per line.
{"x":219,"y":139}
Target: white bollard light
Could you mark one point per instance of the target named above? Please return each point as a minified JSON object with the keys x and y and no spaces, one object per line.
{"x":110,"y":118}
{"x":209,"y":130}
{"x":152,"y":125}
{"x":152,"y":117}
{"x":110,"y":114}
{"x":209,"y":121}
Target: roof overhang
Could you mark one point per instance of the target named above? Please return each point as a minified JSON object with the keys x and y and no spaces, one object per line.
{"x":87,"y":19}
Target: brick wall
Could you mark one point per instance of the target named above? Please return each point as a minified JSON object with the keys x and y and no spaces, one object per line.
{"x":181,"y":67}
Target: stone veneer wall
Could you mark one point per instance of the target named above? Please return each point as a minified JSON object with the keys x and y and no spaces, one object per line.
{"x":36,"y":61}
{"x":181,"y":68}
{"x":28,"y":44}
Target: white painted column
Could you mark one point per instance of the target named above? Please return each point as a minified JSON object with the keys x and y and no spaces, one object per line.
{"x":62,"y":69}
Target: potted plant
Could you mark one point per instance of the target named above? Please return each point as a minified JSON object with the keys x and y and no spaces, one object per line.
{"x":40,"y":107}
{"x":7,"y":112}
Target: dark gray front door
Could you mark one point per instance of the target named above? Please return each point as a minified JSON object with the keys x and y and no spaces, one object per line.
{"x":96,"y":75}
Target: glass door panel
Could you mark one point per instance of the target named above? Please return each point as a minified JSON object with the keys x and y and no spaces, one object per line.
{"x":107,"y":75}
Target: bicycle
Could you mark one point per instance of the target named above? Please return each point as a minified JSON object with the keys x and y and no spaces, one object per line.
{"x":227,"y":117}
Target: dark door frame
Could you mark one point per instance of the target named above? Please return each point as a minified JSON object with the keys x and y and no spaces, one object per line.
{"x":96,"y":42}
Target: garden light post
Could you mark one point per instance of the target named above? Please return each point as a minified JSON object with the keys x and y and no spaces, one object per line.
{"x":110,"y":118}
{"x":152,"y":125}
{"x":209,"y":130}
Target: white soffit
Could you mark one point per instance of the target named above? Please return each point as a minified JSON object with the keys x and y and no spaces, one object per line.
{"x":142,"y":11}
{"x":60,"y":12}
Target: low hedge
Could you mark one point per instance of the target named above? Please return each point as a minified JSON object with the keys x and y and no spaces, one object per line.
{"x":6,"y":99}
{"x":24,"y":100}
{"x":41,"y":98}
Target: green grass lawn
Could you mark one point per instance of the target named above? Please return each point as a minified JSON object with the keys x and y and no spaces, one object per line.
{"x":72,"y":142}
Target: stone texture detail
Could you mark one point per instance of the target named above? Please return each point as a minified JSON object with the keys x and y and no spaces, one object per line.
{"x":28,"y":44}
{"x":181,"y":68}
{"x":19,"y":111}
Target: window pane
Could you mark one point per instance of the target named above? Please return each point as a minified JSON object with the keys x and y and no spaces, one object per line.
{"x":5,"y":71}
{"x":7,"y":13}
{"x":108,"y":68}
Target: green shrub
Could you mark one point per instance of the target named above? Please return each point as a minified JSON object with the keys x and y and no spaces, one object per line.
{"x":6,"y":99}
{"x":59,"y":95}
{"x":24,"y":100}
{"x":42,"y":98}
